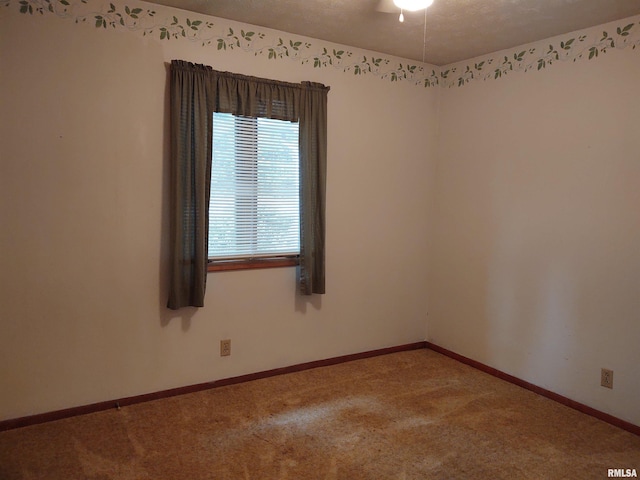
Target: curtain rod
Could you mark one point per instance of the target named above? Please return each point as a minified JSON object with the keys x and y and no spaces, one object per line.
{"x":186,"y":65}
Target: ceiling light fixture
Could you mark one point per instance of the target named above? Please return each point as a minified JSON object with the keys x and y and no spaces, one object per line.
{"x":412,"y":5}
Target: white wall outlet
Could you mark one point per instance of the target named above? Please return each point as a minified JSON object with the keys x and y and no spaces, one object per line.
{"x":225,"y":348}
{"x":606,"y":378}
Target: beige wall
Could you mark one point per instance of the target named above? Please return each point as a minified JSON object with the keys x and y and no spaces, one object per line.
{"x":83,"y":189}
{"x":536,"y":265}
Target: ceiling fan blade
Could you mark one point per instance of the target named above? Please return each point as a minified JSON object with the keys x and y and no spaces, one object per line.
{"x":386,"y":6}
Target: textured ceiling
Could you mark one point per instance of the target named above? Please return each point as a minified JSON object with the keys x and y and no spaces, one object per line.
{"x":456,"y":29}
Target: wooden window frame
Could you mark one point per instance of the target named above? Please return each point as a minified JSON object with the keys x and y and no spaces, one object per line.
{"x":253,"y":263}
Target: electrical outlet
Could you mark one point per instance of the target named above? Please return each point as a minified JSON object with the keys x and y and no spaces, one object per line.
{"x":606,"y":378}
{"x":225,"y":348}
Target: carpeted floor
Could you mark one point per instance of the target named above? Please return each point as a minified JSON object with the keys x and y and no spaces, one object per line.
{"x":409,"y":415}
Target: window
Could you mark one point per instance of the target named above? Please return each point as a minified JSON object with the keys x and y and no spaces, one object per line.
{"x":254,"y":212}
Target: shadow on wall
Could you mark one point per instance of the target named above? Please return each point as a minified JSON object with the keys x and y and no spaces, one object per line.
{"x":462,"y":242}
{"x":184,"y":315}
{"x":303,"y":301}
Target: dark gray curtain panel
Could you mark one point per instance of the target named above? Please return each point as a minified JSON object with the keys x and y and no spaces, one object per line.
{"x":191,"y":132}
{"x":313,"y":179}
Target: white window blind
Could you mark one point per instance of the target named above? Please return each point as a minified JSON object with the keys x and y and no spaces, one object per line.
{"x":254,"y":204}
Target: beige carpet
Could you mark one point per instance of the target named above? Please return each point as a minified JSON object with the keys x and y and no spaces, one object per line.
{"x":409,"y":415}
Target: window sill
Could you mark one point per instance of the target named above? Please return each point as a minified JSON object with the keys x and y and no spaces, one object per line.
{"x":250,"y":264}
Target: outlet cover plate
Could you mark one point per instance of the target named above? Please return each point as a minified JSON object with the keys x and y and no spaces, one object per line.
{"x":225,"y":348}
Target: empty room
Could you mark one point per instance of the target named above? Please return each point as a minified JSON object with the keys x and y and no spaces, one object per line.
{"x":320,"y":239}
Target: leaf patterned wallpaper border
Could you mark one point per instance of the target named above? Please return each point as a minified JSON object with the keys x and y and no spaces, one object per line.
{"x":166,"y":24}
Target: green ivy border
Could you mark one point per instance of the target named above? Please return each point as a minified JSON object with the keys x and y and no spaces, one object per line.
{"x":569,"y":48}
{"x":140,"y":19}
